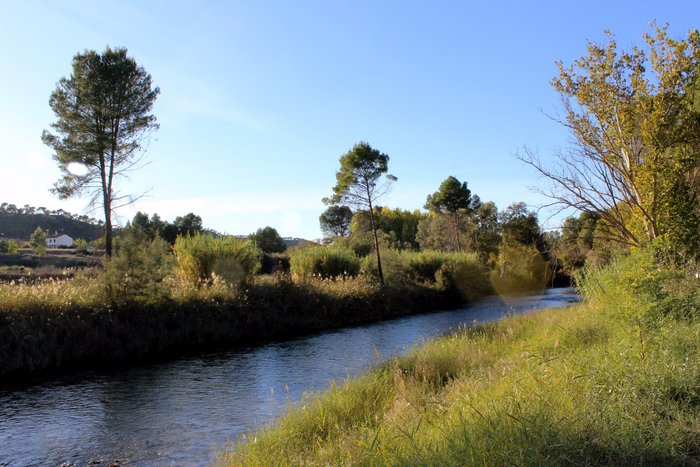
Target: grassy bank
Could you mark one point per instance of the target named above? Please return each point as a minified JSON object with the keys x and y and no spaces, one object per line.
{"x":613,"y":381}
{"x":149,"y":302}
{"x":70,"y":323}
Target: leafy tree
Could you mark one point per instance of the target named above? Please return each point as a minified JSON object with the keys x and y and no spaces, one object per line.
{"x":359,"y":183}
{"x":480,"y":231}
{"x":141,"y":225}
{"x":519,"y":225}
{"x":167,"y":230}
{"x":38,"y":241}
{"x":189,"y":224}
{"x":486,"y":235}
{"x":9,"y":247}
{"x":636,"y":132}
{"x":436,"y":232}
{"x":335,"y":221}
{"x":103,"y":117}
{"x":268,"y":240}
{"x":401,"y":227}
{"x":454,"y":200}
{"x":149,"y":228}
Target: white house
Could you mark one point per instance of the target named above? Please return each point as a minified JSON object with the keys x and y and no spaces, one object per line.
{"x":57,"y":240}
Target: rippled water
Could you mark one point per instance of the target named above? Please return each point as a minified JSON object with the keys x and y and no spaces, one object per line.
{"x":180,"y":411}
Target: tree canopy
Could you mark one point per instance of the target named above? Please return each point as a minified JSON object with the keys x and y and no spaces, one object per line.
{"x":188,"y":225}
{"x":268,"y":240}
{"x":103,"y":115}
{"x":636,"y":154}
{"x":454,"y":200}
{"x":335,"y":221}
{"x":451,"y":197}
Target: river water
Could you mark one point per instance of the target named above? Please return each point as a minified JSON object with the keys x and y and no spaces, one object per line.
{"x":179,"y":412}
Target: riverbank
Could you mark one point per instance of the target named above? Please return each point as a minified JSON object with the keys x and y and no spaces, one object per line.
{"x":67,"y":324}
{"x":611,"y":381}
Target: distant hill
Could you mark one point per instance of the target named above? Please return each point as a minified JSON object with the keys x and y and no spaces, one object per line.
{"x":20,"y":225}
{"x":295,"y":242}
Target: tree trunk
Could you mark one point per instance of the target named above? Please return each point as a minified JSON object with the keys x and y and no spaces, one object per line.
{"x":376,"y":243}
{"x":455,"y":224}
{"x":108,"y":228}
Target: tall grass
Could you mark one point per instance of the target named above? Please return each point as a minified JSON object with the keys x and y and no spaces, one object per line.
{"x":461,"y":273}
{"x":137,"y":307}
{"x":558,"y":387}
{"x":323,"y":261}
{"x":69,"y":323}
{"x":201,"y":258}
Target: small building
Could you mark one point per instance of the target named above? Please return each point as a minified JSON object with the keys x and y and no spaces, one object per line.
{"x":57,"y":240}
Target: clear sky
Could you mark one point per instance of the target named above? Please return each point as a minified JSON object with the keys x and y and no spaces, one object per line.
{"x":259,"y":99}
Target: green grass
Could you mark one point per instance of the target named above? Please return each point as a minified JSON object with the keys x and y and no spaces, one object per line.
{"x":558,"y":387}
{"x":582,"y":385}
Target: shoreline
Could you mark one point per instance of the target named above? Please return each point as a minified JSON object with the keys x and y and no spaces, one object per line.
{"x":58,"y":341}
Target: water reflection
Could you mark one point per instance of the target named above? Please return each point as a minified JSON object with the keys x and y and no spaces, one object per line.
{"x":178,"y":412}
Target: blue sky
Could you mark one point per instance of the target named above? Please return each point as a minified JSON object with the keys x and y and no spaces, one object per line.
{"x":259,"y":99}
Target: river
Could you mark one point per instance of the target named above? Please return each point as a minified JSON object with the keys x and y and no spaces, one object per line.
{"x":179,"y":412}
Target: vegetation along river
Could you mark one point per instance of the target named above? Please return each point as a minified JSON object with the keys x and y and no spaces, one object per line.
{"x":180,"y":411}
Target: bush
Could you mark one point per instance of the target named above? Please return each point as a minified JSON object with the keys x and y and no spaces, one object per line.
{"x":458,"y":272}
{"x":643,"y":288}
{"x":323,"y":261}
{"x":201,"y":258}
{"x":424,"y":266}
{"x":464,"y":274}
{"x":393,"y":266}
{"x":137,"y":269}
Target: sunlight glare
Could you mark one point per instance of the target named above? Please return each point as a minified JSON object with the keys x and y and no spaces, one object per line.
{"x":77,"y":169}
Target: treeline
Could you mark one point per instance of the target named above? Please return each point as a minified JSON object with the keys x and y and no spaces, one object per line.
{"x":455,"y":220}
{"x":19,"y":222}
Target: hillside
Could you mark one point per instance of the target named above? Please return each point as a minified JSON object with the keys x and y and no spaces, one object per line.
{"x":21,"y":225}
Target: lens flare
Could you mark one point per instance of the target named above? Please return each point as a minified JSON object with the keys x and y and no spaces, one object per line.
{"x":77,"y":169}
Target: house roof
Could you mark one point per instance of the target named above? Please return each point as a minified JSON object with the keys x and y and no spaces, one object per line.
{"x":58,"y":235}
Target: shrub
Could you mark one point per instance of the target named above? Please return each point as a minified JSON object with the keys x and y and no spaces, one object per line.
{"x":201,"y":258}
{"x":38,"y":241}
{"x":424,"y":266}
{"x":393,"y":266}
{"x":458,"y":272}
{"x":464,"y":274}
{"x":642,"y":287}
{"x":12,"y":247}
{"x":137,"y":269}
{"x":323,"y":261}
